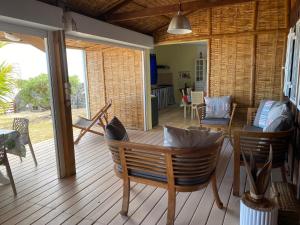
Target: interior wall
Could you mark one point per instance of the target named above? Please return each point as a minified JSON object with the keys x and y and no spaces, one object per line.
{"x":246,"y":43}
{"x":180,"y":57}
{"x":116,"y":74}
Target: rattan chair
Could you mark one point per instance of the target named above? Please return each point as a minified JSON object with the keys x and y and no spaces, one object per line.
{"x":258,"y":144}
{"x":177,"y":170}
{"x":4,"y":161}
{"x":22,"y":126}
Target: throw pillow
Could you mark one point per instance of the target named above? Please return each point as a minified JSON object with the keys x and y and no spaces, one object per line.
{"x":116,"y":131}
{"x":182,"y":138}
{"x":217,"y":107}
{"x":262,"y":113}
{"x":281,"y":123}
{"x":279,"y":118}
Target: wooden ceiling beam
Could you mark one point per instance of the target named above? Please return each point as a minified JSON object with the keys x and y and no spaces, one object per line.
{"x":115,"y":8}
{"x":163,"y":10}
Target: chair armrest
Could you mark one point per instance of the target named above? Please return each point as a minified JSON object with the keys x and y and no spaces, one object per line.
{"x":234,"y":105}
{"x":201,"y":112}
{"x":251,"y":113}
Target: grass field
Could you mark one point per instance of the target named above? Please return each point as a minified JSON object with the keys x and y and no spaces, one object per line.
{"x":40,"y":123}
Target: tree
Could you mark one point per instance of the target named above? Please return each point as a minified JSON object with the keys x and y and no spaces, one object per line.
{"x":6,"y":80}
{"x":75,"y":84}
{"x":36,"y":90}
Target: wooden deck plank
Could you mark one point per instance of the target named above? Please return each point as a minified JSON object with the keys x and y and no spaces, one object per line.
{"x":94,"y":195}
{"x":205,"y":205}
{"x":233,"y":209}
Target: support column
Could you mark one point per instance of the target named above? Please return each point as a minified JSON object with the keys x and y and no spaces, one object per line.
{"x":61,"y":104}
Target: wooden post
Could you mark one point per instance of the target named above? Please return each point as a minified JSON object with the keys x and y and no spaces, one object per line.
{"x":61,"y":104}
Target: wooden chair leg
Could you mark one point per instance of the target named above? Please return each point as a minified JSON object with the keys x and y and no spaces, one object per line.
{"x":32,"y":152}
{"x":236,"y":167}
{"x":126,"y":197}
{"x":79,"y":137}
{"x":215,"y":191}
{"x":171,"y":206}
{"x":11,"y":179}
{"x":283,"y":174}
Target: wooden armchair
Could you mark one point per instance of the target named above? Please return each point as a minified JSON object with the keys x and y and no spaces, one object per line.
{"x":216,"y":123}
{"x":258,"y":143}
{"x":183,"y":170}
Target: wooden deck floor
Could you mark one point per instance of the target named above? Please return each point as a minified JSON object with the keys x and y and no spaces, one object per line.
{"x":94,"y":195}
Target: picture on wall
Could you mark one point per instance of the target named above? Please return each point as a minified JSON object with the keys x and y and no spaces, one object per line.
{"x":183,"y":75}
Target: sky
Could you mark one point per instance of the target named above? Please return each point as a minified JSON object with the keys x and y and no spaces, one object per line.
{"x":29,"y":61}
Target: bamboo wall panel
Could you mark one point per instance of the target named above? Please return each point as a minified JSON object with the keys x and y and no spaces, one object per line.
{"x":95,"y":76}
{"x":234,"y":49}
{"x":269,"y":53}
{"x":231,"y":68}
{"x":233,"y":19}
{"x":123,"y":79}
{"x":271,"y":14}
{"x":116,"y":74}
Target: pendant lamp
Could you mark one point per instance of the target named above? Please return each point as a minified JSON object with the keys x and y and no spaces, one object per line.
{"x":179,"y":24}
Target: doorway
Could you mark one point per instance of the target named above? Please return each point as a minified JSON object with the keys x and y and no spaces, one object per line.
{"x":180,"y":69}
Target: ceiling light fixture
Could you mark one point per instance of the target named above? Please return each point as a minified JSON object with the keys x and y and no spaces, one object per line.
{"x":179,"y":24}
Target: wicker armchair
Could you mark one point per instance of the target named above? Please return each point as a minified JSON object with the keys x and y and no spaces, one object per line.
{"x":4,"y":161}
{"x":182,"y":170}
{"x":21,"y":125}
{"x":216,"y":123}
{"x":258,"y":144}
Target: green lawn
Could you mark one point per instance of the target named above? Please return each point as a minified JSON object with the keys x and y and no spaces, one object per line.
{"x":40,"y":123}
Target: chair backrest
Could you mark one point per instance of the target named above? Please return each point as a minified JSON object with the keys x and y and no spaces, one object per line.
{"x":22,"y":126}
{"x":197,"y":97}
{"x":258,"y":143}
{"x":102,"y":115}
{"x":163,"y":165}
{"x":201,"y":110}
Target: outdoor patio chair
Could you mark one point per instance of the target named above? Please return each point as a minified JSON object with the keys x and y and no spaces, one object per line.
{"x":22,"y":126}
{"x":4,"y":161}
{"x":217,"y":123}
{"x":85,"y":125}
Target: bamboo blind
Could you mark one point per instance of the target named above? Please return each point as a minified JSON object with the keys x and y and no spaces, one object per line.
{"x":95,"y":78}
{"x":246,"y":47}
{"x":231,"y":68}
{"x":116,"y":74}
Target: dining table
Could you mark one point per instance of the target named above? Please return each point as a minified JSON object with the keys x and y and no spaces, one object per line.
{"x":13,"y":143}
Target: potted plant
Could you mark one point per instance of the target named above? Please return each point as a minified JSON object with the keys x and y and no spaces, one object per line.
{"x":255,"y":207}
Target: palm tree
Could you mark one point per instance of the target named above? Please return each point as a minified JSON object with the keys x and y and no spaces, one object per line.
{"x":6,"y":80}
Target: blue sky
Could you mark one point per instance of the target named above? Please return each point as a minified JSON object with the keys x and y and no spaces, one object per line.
{"x":29,"y":61}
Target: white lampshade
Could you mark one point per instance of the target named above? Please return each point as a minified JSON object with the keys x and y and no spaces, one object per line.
{"x":179,"y":25}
